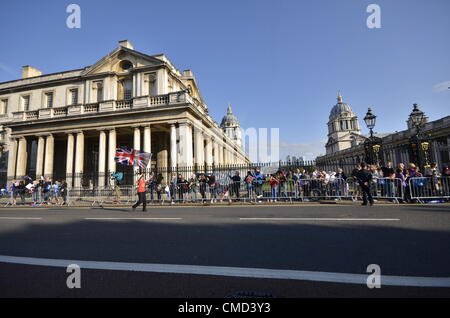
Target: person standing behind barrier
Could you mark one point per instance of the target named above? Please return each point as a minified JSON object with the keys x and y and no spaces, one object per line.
{"x":402,"y":185}
{"x":433,"y":173}
{"x":213,"y":187}
{"x":183,"y":188}
{"x":236,"y":184}
{"x":173,"y":187}
{"x":141,"y":185}
{"x":35,"y":193}
{"x":341,"y":179}
{"x":159,"y":186}
{"x":13,"y":192}
{"x":203,"y":182}
{"x":151,"y":185}
{"x":249,"y":179}
{"x":388,"y":188}
{"x":364,"y":178}
{"x":193,"y":187}
{"x":259,"y":180}
{"x":282,"y":184}
{"x":296,"y":183}
{"x":46,"y":187}
{"x":63,"y":191}
{"x":273,"y":181}
{"x":21,"y":190}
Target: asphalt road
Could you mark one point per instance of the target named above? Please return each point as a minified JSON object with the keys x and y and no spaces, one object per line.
{"x":404,"y":240}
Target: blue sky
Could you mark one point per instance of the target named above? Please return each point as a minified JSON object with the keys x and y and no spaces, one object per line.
{"x":279,"y":63}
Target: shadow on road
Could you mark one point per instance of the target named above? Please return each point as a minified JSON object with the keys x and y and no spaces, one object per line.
{"x":346,"y":248}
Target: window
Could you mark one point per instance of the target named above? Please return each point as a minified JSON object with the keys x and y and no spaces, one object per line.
{"x":127,"y":89}
{"x":74,"y":96}
{"x":49,"y":99}
{"x":26,"y":103}
{"x":126,"y":65}
{"x":4,"y":106}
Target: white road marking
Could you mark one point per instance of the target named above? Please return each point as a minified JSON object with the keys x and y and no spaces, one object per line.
{"x":315,"y":219}
{"x":386,"y":280}
{"x":18,"y":218}
{"x":149,"y":219}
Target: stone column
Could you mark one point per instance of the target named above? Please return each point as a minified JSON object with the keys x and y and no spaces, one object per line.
{"x":148,"y":142}
{"x":21,"y":168}
{"x":199,"y":147}
{"x":112,"y":151}
{"x":137,"y":138}
{"x":173,"y":146}
{"x":137,"y":146}
{"x":186,"y":157}
{"x":12,"y":154}
{"x":101,"y":158}
{"x":40,"y":157}
{"x":216,"y":154}
{"x":69,"y":159}
{"x":208,"y":151}
{"x":49,"y":156}
{"x":226,"y":159}
{"x":162,"y":153}
{"x":79,"y":159}
{"x":220,"y":154}
{"x":147,"y":139}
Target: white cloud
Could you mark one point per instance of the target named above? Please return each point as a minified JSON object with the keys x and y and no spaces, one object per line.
{"x":5,"y":68}
{"x":441,"y":87}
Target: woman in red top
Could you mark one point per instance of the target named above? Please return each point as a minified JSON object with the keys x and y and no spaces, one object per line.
{"x":141,"y":184}
{"x":273,"y":181}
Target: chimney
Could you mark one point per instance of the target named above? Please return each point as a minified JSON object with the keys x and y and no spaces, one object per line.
{"x":30,"y":71}
{"x":127,"y":44}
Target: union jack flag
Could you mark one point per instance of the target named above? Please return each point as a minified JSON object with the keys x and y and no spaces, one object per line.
{"x":132,"y":157}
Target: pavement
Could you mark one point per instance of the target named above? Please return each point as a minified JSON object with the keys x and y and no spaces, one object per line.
{"x":282,"y":251}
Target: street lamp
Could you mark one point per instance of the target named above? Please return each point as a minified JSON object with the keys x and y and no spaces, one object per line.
{"x":372,"y":145}
{"x":417,"y":116}
{"x":420,"y":147}
{"x":370,"y":120}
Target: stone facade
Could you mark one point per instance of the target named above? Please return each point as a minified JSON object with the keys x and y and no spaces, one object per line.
{"x":68,"y":123}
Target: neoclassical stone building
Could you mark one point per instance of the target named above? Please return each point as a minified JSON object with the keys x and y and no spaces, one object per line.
{"x":70,"y":123}
{"x":343,"y":127}
{"x":345,"y":146}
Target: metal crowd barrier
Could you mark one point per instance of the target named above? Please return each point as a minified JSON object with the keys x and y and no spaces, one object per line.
{"x":99,"y":196}
{"x":421,"y":188}
{"x":9,"y":197}
{"x":392,"y":189}
{"x":224,"y":190}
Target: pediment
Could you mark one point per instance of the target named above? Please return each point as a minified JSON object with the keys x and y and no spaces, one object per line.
{"x":113,"y":61}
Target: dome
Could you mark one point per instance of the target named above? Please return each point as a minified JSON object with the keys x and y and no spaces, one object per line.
{"x":229,"y":120}
{"x":340,"y":108}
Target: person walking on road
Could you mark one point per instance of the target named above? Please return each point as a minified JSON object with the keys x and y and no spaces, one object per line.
{"x":364,"y":178}
{"x":141,"y":184}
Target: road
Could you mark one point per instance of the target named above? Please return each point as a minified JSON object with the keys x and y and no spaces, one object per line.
{"x":309,"y":250}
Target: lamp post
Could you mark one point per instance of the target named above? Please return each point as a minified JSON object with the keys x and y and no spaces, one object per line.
{"x":419,"y":145}
{"x":372,"y":145}
{"x":370,"y":120}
